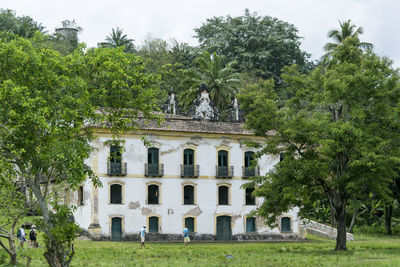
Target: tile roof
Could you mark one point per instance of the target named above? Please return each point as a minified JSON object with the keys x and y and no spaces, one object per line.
{"x":181,"y":123}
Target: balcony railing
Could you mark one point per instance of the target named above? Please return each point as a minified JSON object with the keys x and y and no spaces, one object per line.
{"x":224,"y":171}
{"x":155,"y":170}
{"x":250,"y":172}
{"x":189,"y":170}
{"x":116,"y":168}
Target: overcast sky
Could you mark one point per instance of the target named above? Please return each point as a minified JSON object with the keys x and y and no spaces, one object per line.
{"x":169,"y":19}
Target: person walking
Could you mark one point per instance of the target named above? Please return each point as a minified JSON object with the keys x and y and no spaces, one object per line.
{"x":32,"y":237}
{"x":186,"y":238}
{"x":142,"y":236}
{"x":21,"y":236}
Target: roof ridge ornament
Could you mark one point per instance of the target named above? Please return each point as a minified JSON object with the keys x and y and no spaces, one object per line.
{"x":203,"y":106}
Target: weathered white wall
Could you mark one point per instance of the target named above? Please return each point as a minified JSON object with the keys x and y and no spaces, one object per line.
{"x":171,"y":210}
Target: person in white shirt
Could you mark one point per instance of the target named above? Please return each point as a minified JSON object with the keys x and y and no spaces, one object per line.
{"x":21,"y":236}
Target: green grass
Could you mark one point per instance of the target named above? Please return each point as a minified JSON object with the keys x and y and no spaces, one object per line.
{"x":366,"y":251}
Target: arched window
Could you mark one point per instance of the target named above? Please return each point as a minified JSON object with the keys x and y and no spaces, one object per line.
{"x":153,"y":224}
{"x":223,"y":195}
{"x":153,"y":194}
{"x":188,"y":195}
{"x":286,"y":225}
{"x":115,"y":194}
{"x":189,"y":224}
{"x":250,"y":200}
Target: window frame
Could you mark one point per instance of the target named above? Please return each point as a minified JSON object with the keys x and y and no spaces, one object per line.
{"x":229,"y":194}
{"x":122,"y":184}
{"x":158,"y":221}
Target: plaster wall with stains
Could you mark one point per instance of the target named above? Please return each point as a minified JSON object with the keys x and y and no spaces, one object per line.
{"x":171,"y":210}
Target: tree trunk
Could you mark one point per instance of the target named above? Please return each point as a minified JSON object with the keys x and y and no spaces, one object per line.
{"x":13,"y":251}
{"x":341,"y":227}
{"x":353,"y":220}
{"x":388,"y":219}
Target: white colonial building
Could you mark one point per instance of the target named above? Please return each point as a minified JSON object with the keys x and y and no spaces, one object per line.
{"x":190,"y":175}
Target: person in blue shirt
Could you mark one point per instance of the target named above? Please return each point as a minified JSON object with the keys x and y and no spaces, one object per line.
{"x":142,"y":236}
{"x":186,"y":238}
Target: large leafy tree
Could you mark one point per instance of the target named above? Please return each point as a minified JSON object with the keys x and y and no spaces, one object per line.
{"x":347,"y":29}
{"x":23,"y":26}
{"x":261,"y":45}
{"x":118,"y":39}
{"x":221,"y":80}
{"x":339,"y":134}
{"x":50,"y":105}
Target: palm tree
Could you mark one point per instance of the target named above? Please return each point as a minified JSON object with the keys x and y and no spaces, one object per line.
{"x":117,"y":39}
{"x":221,"y":81}
{"x":347,"y":29}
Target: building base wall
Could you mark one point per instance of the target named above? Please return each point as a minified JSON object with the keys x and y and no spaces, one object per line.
{"x":157,"y":237}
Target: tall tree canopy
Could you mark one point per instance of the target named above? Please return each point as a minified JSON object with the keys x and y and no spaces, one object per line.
{"x":118,"y":39}
{"x":50,"y":104}
{"x":23,"y":26}
{"x":260,"y":45}
{"x":339,"y":134}
{"x":347,"y":29}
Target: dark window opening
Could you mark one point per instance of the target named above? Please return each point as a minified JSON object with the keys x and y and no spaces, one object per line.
{"x":115,"y":164}
{"x":222,"y":158}
{"x":116,"y":194}
{"x":188,"y":162}
{"x":152,"y":161}
{"x":189,"y":224}
{"x":250,"y":224}
{"x":248,"y":157}
{"x":115,"y":154}
{"x":286,"y":224}
{"x":188,"y":195}
{"x":80,"y":196}
{"x":223,"y":195}
{"x":152,"y":194}
{"x":153,"y":224}
{"x":222,"y":163}
{"x":250,"y":199}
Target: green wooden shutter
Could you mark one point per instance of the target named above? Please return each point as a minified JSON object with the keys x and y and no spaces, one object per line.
{"x":189,"y":224}
{"x":250,"y":224}
{"x":286,"y":224}
{"x":116,"y":229}
{"x":153,"y":224}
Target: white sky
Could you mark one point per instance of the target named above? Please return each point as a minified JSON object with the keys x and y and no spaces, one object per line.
{"x":169,"y":19}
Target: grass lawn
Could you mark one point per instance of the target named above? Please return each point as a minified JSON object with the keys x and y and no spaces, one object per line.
{"x":366,"y":251}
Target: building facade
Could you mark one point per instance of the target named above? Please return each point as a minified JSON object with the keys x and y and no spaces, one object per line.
{"x":188,"y":173}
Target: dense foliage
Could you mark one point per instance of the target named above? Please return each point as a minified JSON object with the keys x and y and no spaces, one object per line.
{"x":339,"y":134}
{"x":50,"y":103}
{"x":261,"y":45}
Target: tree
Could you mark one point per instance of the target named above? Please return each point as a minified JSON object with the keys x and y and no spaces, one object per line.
{"x":117,"y":39}
{"x":50,"y":105}
{"x":23,"y":26}
{"x":347,"y":29}
{"x":12,"y":208}
{"x":261,"y":46}
{"x":339,"y":133}
{"x":221,"y":80}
